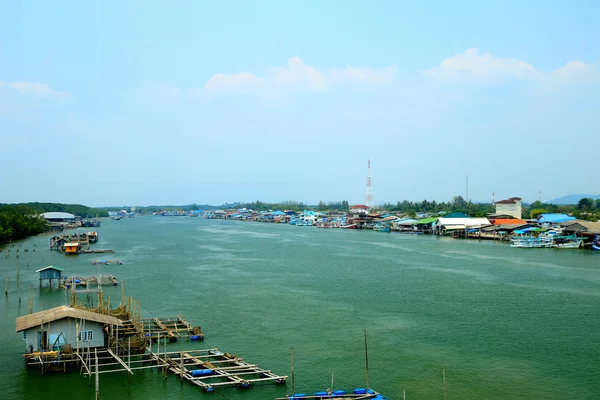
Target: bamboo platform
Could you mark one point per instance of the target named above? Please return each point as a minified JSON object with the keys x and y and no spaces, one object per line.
{"x":84,"y":281}
{"x":171,"y":327}
{"x":210,"y":369}
{"x":90,"y":251}
{"x":107,"y":262}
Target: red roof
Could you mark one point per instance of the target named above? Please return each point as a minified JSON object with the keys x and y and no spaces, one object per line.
{"x":507,"y":221}
{"x":509,"y":201}
{"x":360,"y":206}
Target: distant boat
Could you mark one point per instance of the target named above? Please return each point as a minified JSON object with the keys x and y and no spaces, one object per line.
{"x":381,"y":228}
{"x":350,"y":226}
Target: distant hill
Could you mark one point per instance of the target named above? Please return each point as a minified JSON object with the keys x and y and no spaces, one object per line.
{"x":573,"y":198}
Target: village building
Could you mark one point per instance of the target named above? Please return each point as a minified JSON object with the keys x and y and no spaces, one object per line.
{"x":512,"y":207}
{"x":51,"y":330}
{"x":445,"y":226}
{"x":50,"y":274}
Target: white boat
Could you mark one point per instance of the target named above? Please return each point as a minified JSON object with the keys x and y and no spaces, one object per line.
{"x":567,"y":242}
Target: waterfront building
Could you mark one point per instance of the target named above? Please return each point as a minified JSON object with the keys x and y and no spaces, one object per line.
{"x":51,"y":330}
{"x":510,"y":207}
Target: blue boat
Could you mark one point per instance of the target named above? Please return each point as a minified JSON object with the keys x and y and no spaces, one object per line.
{"x":355,"y":394}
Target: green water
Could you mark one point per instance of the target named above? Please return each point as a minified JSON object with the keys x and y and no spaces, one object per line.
{"x":503,"y":323}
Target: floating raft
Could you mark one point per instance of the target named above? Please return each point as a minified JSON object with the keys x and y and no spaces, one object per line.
{"x":78,"y":281}
{"x":355,"y":394}
{"x":90,"y":251}
{"x":171,"y":327}
{"x":211,"y":369}
{"x":107,"y":262}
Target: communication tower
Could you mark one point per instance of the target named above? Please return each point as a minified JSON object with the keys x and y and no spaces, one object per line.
{"x":369,"y":198}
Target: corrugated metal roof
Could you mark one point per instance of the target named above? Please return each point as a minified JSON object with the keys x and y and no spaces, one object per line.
{"x":554,"y":218}
{"x":50,"y":267}
{"x":463,"y":221}
{"x":57,"y":215}
{"x":583,"y":226}
{"x":505,"y":221}
{"x":57,"y":313}
{"x":71,"y":244}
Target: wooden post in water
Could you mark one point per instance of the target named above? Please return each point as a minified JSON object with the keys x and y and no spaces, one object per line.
{"x":366,"y":358}
{"x":97,"y":376}
{"x":292,"y":360}
{"x":6,"y":290}
{"x":444,"y":374}
{"x":129,"y":358}
{"x":18,"y":281}
{"x":404,"y":394}
{"x":181,"y":366}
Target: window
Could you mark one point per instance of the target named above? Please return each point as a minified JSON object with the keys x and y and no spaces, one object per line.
{"x":85,"y":336}
{"x":24,"y":335}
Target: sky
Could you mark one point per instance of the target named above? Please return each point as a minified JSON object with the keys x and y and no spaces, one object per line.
{"x":154,"y":103}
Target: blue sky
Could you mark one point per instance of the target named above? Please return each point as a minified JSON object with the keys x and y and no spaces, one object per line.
{"x":140,"y":102}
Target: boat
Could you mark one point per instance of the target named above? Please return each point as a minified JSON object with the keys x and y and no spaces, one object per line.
{"x":358,"y":393}
{"x":350,"y":226}
{"x":596,"y":246}
{"x":354,"y":394}
{"x":567,"y":242}
{"x":381,"y":228}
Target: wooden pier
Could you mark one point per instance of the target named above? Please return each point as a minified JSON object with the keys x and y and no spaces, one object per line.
{"x":107,"y":262}
{"x":208,"y":368}
{"x":211,"y":369}
{"x":170,"y":327}
{"x":87,"y":281}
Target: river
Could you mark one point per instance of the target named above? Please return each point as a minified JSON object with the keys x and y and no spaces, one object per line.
{"x":502,"y":323}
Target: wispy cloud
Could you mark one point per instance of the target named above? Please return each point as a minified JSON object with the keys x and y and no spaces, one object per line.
{"x":471,"y":65}
{"x":298,"y":76}
{"x":33,"y":89}
{"x":571,"y":74}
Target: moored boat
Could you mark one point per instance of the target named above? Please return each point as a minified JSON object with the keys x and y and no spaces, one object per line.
{"x":350,"y":226}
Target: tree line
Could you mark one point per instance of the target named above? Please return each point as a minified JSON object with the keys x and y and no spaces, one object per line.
{"x":19,"y":222}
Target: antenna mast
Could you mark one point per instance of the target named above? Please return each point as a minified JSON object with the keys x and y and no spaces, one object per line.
{"x":369,"y":198}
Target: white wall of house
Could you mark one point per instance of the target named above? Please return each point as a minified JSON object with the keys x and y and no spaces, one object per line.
{"x":509,"y":209}
{"x":91,"y":333}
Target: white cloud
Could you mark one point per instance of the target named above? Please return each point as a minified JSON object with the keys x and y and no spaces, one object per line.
{"x":32,"y":88}
{"x":572,"y":73}
{"x":471,"y":65}
{"x":235,"y":83}
{"x":298,"y":76}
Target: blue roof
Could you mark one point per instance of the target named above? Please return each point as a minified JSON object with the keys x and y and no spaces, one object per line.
{"x":277,"y":213}
{"x":554,"y":218}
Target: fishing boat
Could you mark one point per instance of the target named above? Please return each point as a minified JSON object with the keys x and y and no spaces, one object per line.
{"x":381,"y":228}
{"x":529,"y":242}
{"x":596,"y":246}
{"x":350,"y":226}
{"x":567,"y":242}
{"x":355,"y":394}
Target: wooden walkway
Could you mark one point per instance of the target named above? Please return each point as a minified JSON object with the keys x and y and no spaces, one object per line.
{"x":212,"y":368}
{"x":171,"y":327}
